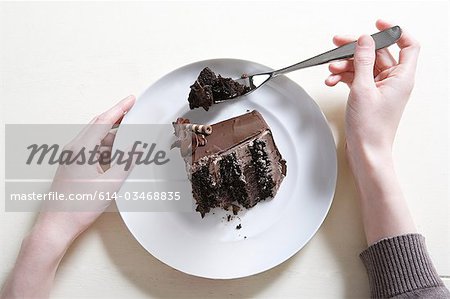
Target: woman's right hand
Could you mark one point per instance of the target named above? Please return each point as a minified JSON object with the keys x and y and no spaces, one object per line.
{"x":379,"y":90}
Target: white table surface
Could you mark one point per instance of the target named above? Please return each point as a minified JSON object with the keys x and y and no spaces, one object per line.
{"x":65,"y":62}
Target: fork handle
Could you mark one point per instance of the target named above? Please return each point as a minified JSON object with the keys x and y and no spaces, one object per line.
{"x":382,"y":39}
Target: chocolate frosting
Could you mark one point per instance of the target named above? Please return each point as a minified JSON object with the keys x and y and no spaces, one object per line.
{"x":231,"y":132}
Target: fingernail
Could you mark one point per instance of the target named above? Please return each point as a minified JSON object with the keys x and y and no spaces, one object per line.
{"x":339,"y":64}
{"x":365,"y":41}
{"x":330,"y":79}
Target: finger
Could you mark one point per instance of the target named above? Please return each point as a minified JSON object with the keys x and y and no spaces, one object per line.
{"x":346,"y":77}
{"x":109,"y":138}
{"x":119,"y":171}
{"x":384,"y":59}
{"x":104,"y":158}
{"x":364,"y":60}
{"x":341,"y":66}
{"x":383,"y":75}
{"x":103,"y":123}
{"x":114,"y":114}
{"x":340,"y":40}
{"x":76,"y":140}
{"x":409,"y":47}
{"x":117,"y":123}
{"x":332,"y":80}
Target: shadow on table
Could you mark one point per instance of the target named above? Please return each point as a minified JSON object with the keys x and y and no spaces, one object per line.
{"x":159,"y":280}
{"x":343,"y":229}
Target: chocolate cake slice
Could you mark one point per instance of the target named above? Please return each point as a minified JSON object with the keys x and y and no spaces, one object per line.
{"x":237,"y":165}
{"x":209,"y":88}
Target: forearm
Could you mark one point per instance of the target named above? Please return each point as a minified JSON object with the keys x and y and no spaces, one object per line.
{"x":384,"y":209}
{"x":36,"y":265}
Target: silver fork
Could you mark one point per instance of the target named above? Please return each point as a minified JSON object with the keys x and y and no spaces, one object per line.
{"x":383,"y":39}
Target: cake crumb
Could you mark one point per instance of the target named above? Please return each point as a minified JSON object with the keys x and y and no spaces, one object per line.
{"x":239,"y":226}
{"x":235,"y":209}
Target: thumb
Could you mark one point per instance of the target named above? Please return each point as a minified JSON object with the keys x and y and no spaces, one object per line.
{"x":364,"y":60}
{"x":119,"y":171}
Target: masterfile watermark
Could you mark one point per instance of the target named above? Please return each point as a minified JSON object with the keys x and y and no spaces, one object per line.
{"x":57,"y":168}
{"x":140,"y":153}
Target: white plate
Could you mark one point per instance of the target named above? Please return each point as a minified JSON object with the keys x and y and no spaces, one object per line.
{"x":274,"y":230}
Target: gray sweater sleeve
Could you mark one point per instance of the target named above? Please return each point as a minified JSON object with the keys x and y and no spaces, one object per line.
{"x":400,"y":267}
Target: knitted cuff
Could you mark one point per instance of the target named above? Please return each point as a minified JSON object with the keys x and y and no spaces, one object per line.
{"x":398,"y":265}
